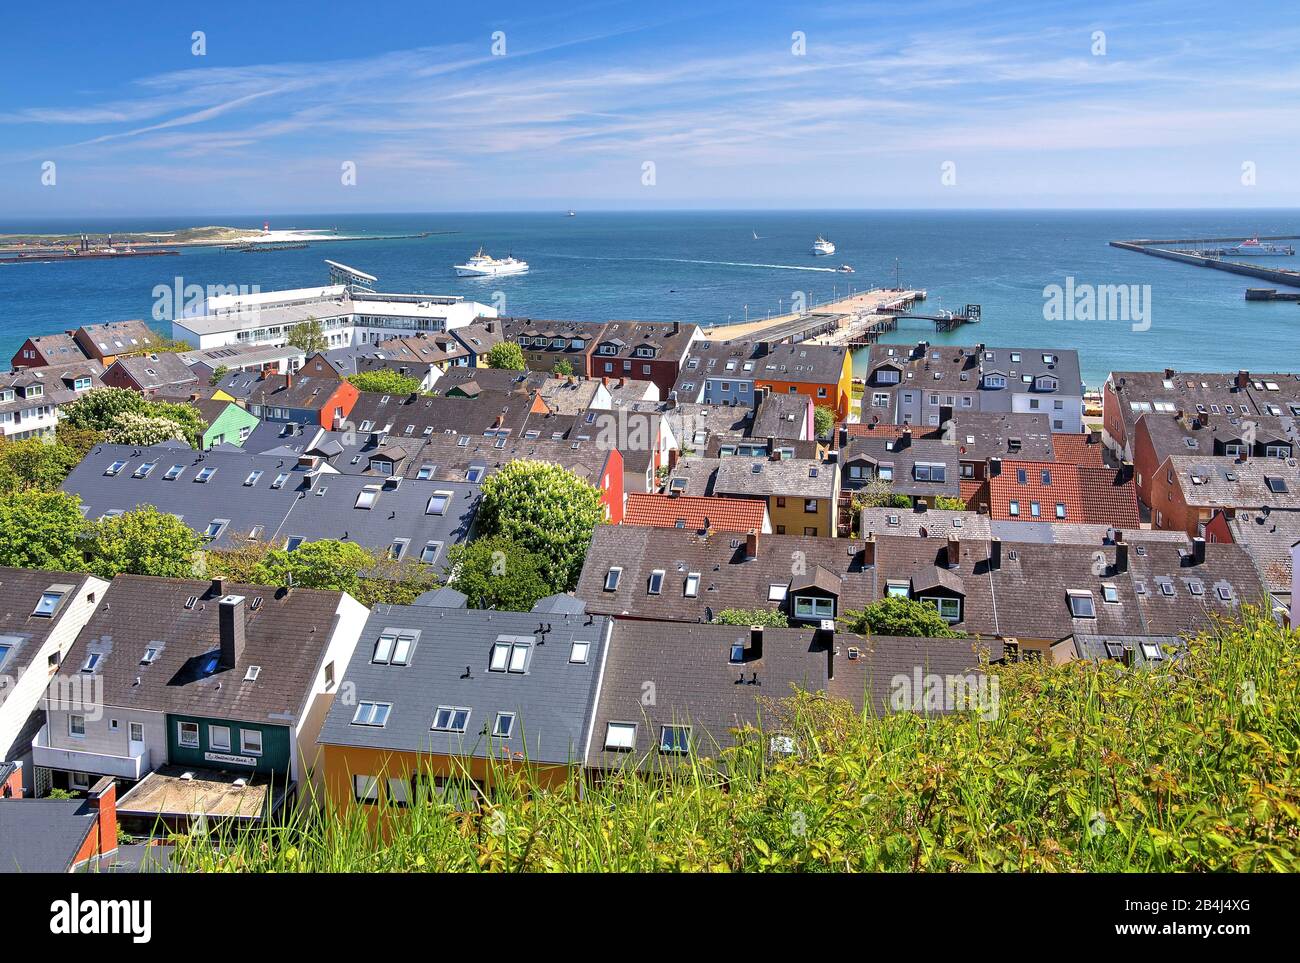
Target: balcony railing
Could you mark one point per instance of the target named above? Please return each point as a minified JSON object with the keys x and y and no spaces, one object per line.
{"x":131,"y":766}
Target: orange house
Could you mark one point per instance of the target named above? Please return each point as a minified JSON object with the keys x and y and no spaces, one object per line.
{"x":822,"y":372}
{"x":446,"y":696}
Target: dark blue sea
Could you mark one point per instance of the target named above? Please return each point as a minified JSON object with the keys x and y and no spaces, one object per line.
{"x":709,"y":267}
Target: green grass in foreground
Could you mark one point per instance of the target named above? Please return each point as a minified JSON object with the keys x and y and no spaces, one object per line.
{"x":1086,"y":768}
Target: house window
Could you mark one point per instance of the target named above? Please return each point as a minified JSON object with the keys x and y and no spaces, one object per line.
{"x":509,"y":657}
{"x":1110,"y":593}
{"x":372,"y":713}
{"x":1014,"y":507}
{"x":394,"y":648}
{"x":219,"y":738}
{"x":204,"y":475}
{"x":451,"y":719}
{"x":187,"y":734}
{"x":675,"y":739}
{"x":92,"y":662}
{"x":114,"y":468}
{"x":173,"y":473}
{"x":1081,"y":605}
{"x":250,"y":742}
{"x":656,"y":582}
{"x":366,"y":789}
{"x":620,"y":736}
{"x":612,"y":577}
{"x":252,"y":478}
{"x":48,"y":603}
{"x":949,"y":609}
{"x":135,"y":731}
{"x":144,"y":469}
{"x":430,"y":553}
{"x":813,"y":607}
{"x":898,"y":589}
{"x":692,"y":588}
{"x":1060,"y":510}
{"x":438,"y":503}
{"x":77,"y":726}
{"x":578,"y":653}
{"x":1035,"y":510}
{"x":504,"y":725}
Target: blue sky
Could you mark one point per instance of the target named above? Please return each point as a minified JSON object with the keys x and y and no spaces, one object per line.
{"x":1015,"y":96}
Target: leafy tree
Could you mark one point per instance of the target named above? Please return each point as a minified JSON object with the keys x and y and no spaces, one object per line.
{"x":143,"y":541}
{"x":944,"y":503}
{"x":823,"y":420}
{"x":78,"y":441}
{"x":219,"y":372}
{"x":98,"y":411}
{"x":563,"y":367}
{"x":344,"y":566}
{"x":325,"y":564}
{"x":130,"y":428}
{"x":768,"y":617}
{"x":896,"y":615}
{"x":546,"y":510}
{"x":41,"y":529}
{"x":877,"y":493}
{"x":496,"y":573}
{"x":386,"y":381}
{"x":506,"y":355}
{"x":309,"y":336}
{"x":35,"y":463}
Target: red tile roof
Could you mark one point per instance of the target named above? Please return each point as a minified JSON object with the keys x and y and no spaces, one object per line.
{"x":1077,"y":450}
{"x":1093,"y":496}
{"x":724,"y":514}
{"x":974,"y":492}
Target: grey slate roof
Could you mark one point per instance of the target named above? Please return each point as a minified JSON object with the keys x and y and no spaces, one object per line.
{"x":326,"y":509}
{"x":155,"y":371}
{"x":1267,"y":538}
{"x":43,"y":835}
{"x":449,"y":666}
{"x":757,"y":477}
{"x":286,"y":635}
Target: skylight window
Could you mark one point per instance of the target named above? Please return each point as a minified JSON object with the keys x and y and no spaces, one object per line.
{"x":367,"y":496}
{"x":1110,"y":593}
{"x":509,"y":656}
{"x":150,"y":655}
{"x":504,"y":725}
{"x":620,"y":736}
{"x":429,"y":554}
{"x":173,"y":473}
{"x":114,"y":468}
{"x":1081,"y":605}
{"x":92,"y":662}
{"x":372,"y":713}
{"x":675,"y":739}
{"x":438,"y":503}
{"x":1152,"y":651}
{"x":393,"y":648}
{"x":145,"y":468}
{"x":252,"y":478}
{"x":578,"y":653}
{"x":48,"y":603}
{"x":776,"y":591}
{"x":692,"y":587}
{"x":612,"y":578}
{"x":253,"y":672}
{"x":656,"y":582}
{"x":204,"y":475}
{"x":280,"y":479}
{"x":451,"y":719}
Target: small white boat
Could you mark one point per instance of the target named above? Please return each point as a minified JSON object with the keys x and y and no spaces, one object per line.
{"x":823,"y":246}
{"x":573,"y":213}
{"x":483,"y":265}
{"x":845,"y":269}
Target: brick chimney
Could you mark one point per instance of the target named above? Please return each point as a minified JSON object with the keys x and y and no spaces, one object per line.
{"x":1243,"y":380}
{"x":751,"y":544}
{"x":288,"y":379}
{"x":954,"y":551}
{"x":230,"y":623}
{"x":995,"y":553}
{"x":824,"y":636}
{"x":1121,"y":556}
{"x":673,"y":455}
{"x":103,"y":799}
{"x":869,"y":550}
{"x":755,"y":650}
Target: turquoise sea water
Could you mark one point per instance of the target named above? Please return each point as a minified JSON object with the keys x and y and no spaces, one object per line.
{"x":708,"y":267}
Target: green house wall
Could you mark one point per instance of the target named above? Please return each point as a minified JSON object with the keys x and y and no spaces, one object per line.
{"x":227,"y":426}
{"x":275,"y":745}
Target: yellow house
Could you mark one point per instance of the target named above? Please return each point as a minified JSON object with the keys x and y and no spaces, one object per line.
{"x":802,"y":494}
